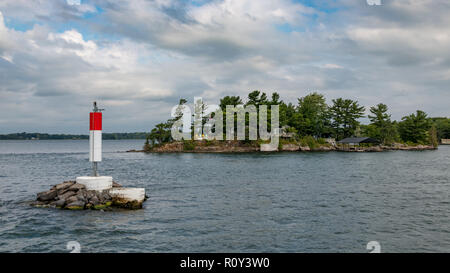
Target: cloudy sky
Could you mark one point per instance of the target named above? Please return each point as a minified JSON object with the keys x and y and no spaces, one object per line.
{"x":137,"y":58}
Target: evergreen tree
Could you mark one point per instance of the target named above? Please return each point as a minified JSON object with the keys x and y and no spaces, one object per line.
{"x":313,"y":115}
{"x":345,"y":114}
{"x":229,"y":100}
{"x":414,"y":128}
{"x":382,"y":127}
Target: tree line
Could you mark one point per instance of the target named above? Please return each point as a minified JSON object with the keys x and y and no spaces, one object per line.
{"x":312,"y":116}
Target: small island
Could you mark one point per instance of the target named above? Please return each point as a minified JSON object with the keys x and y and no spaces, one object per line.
{"x":205,"y":146}
{"x":312,"y":125}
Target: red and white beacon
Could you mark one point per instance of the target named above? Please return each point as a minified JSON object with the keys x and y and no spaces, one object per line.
{"x":95,"y":138}
{"x":101,"y":183}
{"x":95,"y":182}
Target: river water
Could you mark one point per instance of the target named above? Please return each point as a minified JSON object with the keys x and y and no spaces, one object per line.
{"x":282,"y":202}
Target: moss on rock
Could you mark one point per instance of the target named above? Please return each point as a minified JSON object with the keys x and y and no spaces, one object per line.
{"x":102,"y":206}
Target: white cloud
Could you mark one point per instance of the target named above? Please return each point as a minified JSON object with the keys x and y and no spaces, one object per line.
{"x":5,"y":44}
{"x":332,"y":66}
{"x":139,"y":57}
{"x":47,"y":10}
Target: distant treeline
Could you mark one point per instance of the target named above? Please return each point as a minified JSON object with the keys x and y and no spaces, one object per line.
{"x":106,"y":136}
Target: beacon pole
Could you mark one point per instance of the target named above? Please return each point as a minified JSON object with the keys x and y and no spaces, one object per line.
{"x":95,"y":138}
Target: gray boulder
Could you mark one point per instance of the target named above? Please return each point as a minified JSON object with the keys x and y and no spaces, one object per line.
{"x":47,"y":195}
{"x":77,"y":187}
{"x":90,"y":194}
{"x":40,"y":204}
{"x":64,"y":185}
{"x":77,"y":205}
{"x":81,"y":196}
{"x":106,"y":196}
{"x":71,"y":199}
{"x":66,"y":195}
{"x":94,"y":200}
{"x":59,"y":203}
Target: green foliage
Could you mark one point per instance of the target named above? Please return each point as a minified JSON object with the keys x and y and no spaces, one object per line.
{"x":321,"y":141}
{"x":230,"y":100}
{"x":381,"y":126}
{"x":380,"y":116}
{"x":345,"y":114}
{"x":210,"y":142}
{"x":309,"y":141}
{"x":160,"y":134}
{"x":162,"y":131}
{"x":287,"y":115}
{"x":433,"y":138}
{"x":313,"y":115}
{"x":147,"y":146}
{"x":275,"y":99}
{"x":414,"y":128}
{"x":257,"y":98}
{"x":442,"y":127}
{"x":312,"y":120}
{"x":188,"y":145}
{"x":410,"y":143}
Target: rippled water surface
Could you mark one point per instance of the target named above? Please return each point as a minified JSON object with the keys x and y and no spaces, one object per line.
{"x":284,"y":202}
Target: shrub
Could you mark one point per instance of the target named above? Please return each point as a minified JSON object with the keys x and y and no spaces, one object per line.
{"x":147,"y":146}
{"x":188,"y":145}
{"x":410,"y":143}
{"x":321,"y":141}
{"x":309,"y":141}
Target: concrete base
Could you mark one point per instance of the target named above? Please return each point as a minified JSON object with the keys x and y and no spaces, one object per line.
{"x":97,"y":183}
{"x":128,"y":194}
{"x":130,"y":198}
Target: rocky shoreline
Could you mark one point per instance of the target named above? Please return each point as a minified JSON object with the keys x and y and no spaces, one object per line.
{"x":74,"y":196}
{"x":237,"y":147}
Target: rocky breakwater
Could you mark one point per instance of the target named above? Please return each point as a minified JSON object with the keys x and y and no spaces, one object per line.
{"x":74,"y":196}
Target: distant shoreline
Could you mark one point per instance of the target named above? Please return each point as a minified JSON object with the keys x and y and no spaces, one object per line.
{"x":45,"y":136}
{"x":56,"y":139}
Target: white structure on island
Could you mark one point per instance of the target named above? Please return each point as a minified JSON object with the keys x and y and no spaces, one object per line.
{"x":100,"y":183}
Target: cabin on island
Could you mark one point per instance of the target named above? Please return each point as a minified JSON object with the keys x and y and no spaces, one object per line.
{"x":445,"y":141}
{"x":356,"y":141}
